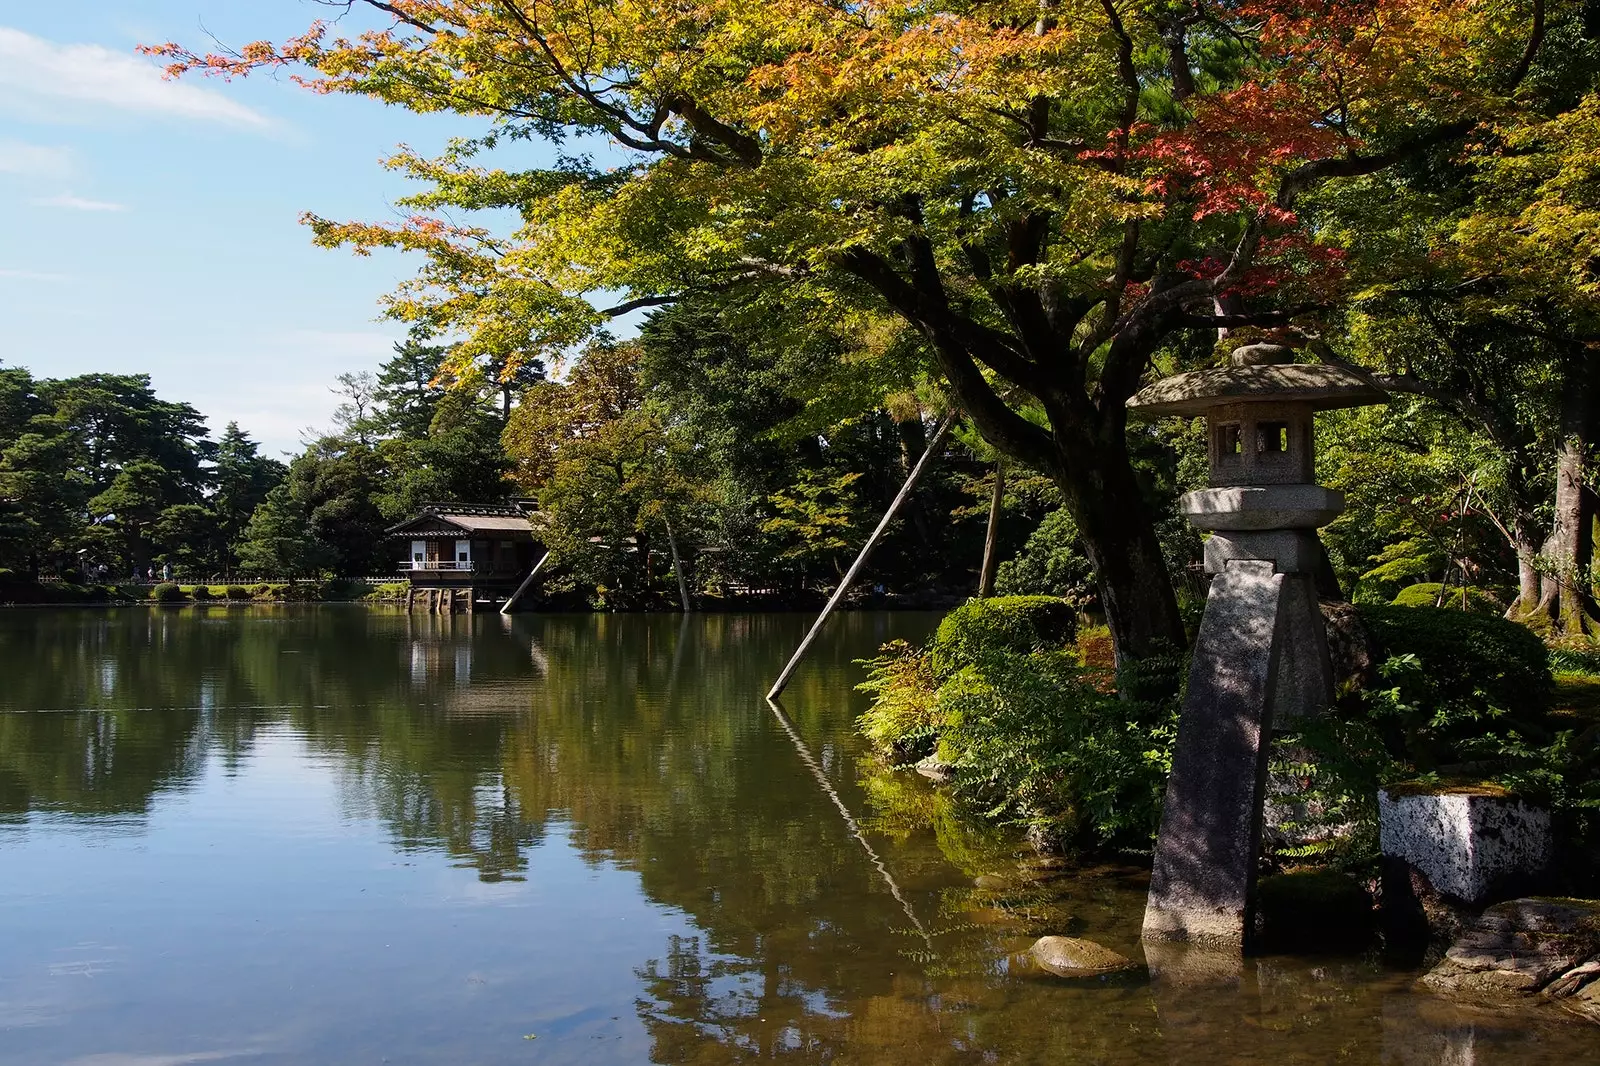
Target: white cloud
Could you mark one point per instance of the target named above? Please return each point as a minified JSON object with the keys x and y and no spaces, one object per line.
{"x":44,"y":79}
{"x":77,"y":203}
{"x":19,"y":157}
{"x":30,"y":275}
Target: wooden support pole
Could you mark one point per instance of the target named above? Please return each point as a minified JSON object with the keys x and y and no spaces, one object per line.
{"x":991,"y":537}
{"x":677,"y":564}
{"x":511,"y":602}
{"x":411,"y":595}
{"x":866,"y":550}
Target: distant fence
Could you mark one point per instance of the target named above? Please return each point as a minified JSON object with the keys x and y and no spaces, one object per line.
{"x":218,"y":579}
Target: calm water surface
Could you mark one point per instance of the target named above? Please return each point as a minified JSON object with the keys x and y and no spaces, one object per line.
{"x":335,"y":835}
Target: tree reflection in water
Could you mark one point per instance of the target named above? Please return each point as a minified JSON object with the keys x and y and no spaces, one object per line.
{"x":643,"y":741}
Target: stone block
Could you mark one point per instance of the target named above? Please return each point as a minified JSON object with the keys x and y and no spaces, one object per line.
{"x":1262,"y":507}
{"x":1470,"y":844}
{"x":1303,"y":686}
{"x":1290,"y":551}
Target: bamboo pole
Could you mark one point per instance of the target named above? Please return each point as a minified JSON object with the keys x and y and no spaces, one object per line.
{"x":991,"y":537}
{"x":505,"y":608}
{"x":866,"y":550}
{"x":677,"y":563}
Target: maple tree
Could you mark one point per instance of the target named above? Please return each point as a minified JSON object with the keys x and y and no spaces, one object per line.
{"x":1047,"y":192}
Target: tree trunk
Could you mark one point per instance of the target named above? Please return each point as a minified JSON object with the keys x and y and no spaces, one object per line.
{"x":1565,"y":598}
{"x":1120,"y":539}
{"x":1525,"y":542}
{"x":1568,"y":550}
{"x":991,"y":538}
{"x":913,"y":440}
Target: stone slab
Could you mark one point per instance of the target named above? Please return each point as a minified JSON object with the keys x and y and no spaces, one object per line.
{"x":1468,"y":845}
{"x":1202,"y":885}
{"x":1249,"y":507}
{"x":1520,"y":947}
{"x":1303,"y":686}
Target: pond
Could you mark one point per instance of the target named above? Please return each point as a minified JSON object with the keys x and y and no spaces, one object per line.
{"x":341,"y":835}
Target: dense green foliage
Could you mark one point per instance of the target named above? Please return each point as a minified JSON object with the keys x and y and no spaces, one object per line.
{"x":1459,"y":698}
{"x":1030,"y":734}
{"x":1485,"y":663}
{"x":1026,"y":733}
{"x":100,"y":477}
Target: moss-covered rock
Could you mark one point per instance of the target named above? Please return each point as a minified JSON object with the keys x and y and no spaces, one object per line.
{"x":1456,"y":597}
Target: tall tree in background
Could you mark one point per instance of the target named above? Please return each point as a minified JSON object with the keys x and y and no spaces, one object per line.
{"x":457,"y":458}
{"x":243,"y":477}
{"x":323,"y":519}
{"x":1047,"y":193}
{"x":408,"y":388}
{"x":1480,"y":292}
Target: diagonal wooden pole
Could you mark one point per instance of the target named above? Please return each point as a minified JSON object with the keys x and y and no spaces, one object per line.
{"x":866,"y":550}
{"x":505,"y":608}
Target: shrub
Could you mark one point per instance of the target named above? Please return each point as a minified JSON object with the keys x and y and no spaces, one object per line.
{"x":1030,"y":735}
{"x":902,"y":720}
{"x":1029,"y":740}
{"x":236,"y":592}
{"x":1484,"y":661}
{"x":1001,"y":623}
{"x":1459,"y":695}
{"x":201,"y":593}
{"x":167,"y":592}
{"x":1051,"y":561}
{"x":1458,"y":597}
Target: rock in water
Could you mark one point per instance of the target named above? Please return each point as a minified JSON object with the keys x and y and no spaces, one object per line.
{"x":1067,"y":956}
{"x":1527,"y":946}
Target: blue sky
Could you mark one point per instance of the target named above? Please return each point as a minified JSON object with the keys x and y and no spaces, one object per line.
{"x":151,"y":226}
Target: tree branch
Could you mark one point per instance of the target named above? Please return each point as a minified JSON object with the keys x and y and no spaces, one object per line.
{"x":1535,"y":39}
{"x":1307,"y":175}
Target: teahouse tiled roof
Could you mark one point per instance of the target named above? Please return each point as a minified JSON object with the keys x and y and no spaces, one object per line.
{"x":501,"y":521}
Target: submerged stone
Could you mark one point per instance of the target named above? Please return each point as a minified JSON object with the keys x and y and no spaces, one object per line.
{"x":1067,"y":956}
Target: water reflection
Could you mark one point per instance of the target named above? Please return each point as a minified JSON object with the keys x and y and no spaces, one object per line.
{"x":235,"y":817}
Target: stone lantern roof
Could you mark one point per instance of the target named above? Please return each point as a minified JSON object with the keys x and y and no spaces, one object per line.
{"x":1258,"y":373}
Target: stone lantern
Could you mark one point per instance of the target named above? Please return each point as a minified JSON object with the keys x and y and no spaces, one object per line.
{"x":1261,"y":655}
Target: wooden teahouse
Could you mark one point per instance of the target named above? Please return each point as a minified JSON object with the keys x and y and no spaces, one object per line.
{"x":458,"y":556}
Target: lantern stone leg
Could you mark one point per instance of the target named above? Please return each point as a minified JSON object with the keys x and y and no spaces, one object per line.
{"x":1250,"y":672}
{"x":1261,"y":656}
